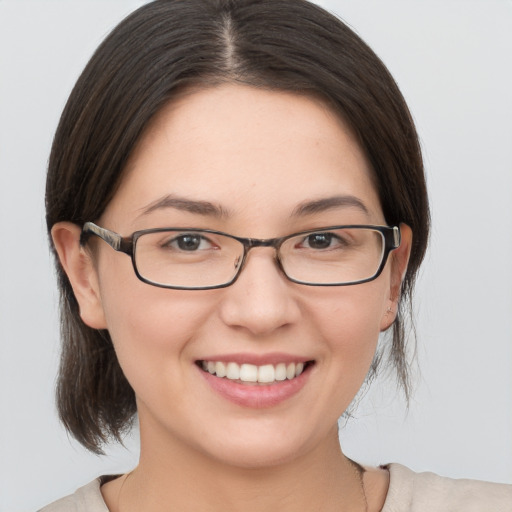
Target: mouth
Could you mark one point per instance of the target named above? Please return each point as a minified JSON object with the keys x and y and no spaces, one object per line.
{"x":246,"y":373}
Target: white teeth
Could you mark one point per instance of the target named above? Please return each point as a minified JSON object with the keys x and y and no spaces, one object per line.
{"x":249,"y":373}
{"x":233,"y":371}
{"x":267,"y":373}
{"x":220,"y":369}
{"x":281,"y":371}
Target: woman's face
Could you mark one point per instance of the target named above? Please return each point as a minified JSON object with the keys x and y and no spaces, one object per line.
{"x":244,"y":161}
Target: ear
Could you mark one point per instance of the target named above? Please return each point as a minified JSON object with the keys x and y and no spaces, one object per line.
{"x":399,"y":261}
{"x":79,"y":267}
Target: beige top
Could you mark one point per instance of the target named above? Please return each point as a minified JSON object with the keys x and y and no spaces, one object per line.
{"x":408,"y":492}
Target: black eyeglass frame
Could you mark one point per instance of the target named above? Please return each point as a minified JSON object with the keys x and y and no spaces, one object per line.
{"x":127,"y":245}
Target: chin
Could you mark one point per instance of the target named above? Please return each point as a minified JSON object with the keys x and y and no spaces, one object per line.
{"x":264,"y":447}
{"x":257,"y":457}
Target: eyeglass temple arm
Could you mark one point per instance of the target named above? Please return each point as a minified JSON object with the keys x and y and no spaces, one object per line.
{"x":116,"y":241}
{"x":397,"y":237}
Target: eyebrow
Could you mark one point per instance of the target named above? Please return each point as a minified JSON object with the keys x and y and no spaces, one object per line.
{"x":207,"y":208}
{"x":328,"y":203}
{"x":188,"y":205}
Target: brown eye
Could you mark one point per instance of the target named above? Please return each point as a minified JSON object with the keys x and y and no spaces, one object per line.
{"x":188,"y":242}
{"x":319,"y":240}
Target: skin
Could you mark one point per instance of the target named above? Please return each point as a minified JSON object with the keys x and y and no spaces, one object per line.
{"x":257,"y":155}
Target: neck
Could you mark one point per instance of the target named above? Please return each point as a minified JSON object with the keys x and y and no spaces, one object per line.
{"x":177,"y":477}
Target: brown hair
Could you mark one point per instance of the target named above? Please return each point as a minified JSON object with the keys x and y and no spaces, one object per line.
{"x":163,"y":47}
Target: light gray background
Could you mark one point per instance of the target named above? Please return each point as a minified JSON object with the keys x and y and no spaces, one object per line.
{"x":452,"y":60}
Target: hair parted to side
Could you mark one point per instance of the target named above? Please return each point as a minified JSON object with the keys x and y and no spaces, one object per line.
{"x":163,"y":48}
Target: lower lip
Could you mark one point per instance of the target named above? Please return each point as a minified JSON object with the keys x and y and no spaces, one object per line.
{"x":256,"y":396}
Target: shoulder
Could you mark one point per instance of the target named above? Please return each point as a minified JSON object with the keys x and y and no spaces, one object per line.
{"x":422,"y":492}
{"x":86,"y":499}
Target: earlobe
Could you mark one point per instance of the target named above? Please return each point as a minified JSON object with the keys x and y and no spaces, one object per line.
{"x":399,"y":262}
{"x":79,"y":267}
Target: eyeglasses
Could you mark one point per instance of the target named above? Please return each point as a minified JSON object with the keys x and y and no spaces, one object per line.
{"x":202,"y":259}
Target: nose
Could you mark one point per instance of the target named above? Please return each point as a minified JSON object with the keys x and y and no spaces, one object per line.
{"x":261,"y":300}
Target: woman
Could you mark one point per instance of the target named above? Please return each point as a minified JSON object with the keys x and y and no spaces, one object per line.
{"x":259,"y":167}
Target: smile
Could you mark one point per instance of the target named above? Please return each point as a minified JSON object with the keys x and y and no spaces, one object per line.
{"x":250,"y":373}
{"x":253,"y":381}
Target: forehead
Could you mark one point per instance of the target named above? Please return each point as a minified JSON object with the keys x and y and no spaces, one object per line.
{"x":248,"y":150}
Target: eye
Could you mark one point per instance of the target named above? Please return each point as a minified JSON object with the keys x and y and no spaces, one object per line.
{"x":322,"y":241}
{"x":189,"y":242}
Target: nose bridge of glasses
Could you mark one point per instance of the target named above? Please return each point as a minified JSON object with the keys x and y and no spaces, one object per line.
{"x":251,"y":243}
{"x":261,"y":242}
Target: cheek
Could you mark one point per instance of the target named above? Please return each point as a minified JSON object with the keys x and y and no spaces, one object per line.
{"x":353,"y":315}
{"x":152,"y":329}
{"x":350,"y":324}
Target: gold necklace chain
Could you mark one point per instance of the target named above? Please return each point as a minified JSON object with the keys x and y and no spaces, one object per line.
{"x":360,"y":474}
{"x":121,"y":488}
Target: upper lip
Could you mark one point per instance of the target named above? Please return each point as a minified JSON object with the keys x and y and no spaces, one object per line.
{"x":257,"y":359}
